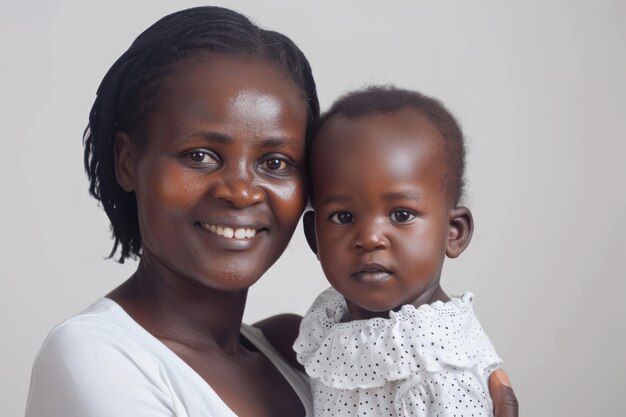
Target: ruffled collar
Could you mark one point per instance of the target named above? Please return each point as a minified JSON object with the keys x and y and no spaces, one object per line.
{"x":370,"y":353}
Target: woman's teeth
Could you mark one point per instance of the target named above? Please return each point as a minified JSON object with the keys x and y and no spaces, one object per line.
{"x":229,"y":232}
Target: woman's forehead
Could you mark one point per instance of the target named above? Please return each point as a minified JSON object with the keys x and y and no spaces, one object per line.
{"x":219,"y":77}
{"x":229,"y":95}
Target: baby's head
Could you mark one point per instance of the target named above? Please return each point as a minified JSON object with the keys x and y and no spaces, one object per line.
{"x":387,"y":175}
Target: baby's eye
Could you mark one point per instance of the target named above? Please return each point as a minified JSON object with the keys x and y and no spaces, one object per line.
{"x":342,"y":217}
{"x":402,"y":216}
{"x":199,"y":158}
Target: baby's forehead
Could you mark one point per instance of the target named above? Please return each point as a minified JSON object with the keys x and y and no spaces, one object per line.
{"x":383,"y":147}
{"x":380,"y":132}
{"x":384,"y":150}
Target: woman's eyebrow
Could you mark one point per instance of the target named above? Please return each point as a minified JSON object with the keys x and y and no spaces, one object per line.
{"x":278,"y":142}
{"x":209,"y":135}
{"x":212,"y":136}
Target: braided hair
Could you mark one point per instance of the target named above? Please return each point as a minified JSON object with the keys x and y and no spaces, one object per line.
{"x":135,"y":79}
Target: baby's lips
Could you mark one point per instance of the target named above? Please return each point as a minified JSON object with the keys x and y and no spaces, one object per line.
{"x":371,"y":267}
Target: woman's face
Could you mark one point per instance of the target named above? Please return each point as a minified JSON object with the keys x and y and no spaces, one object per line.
{"x":217,"y":168}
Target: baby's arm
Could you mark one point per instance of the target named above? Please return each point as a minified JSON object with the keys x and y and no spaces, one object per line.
{"x":281,"y":331}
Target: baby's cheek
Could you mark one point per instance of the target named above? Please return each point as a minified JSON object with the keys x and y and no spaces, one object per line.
{"x":422,"y":254}
{"x":336,"y":261}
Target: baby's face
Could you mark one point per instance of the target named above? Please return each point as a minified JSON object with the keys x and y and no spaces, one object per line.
{"x":381,"y":207}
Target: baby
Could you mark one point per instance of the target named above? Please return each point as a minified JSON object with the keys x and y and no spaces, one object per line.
{"x":387,"y":176}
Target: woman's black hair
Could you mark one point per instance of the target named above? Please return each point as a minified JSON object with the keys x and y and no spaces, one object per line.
{"x":132,"y":83}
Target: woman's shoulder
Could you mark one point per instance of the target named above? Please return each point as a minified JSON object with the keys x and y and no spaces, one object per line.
{"x":99,"y":337}
{"x":100,"y":325}
{"x":94,"y":361}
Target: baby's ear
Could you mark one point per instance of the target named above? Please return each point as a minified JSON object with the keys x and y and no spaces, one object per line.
{"x":308,"y":224}
{"x":460,"y":232}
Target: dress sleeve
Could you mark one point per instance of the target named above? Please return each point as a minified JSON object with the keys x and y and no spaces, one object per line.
{"x":79,"y":372}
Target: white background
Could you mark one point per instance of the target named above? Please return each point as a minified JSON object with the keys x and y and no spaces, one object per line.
{"x":539,"y":86}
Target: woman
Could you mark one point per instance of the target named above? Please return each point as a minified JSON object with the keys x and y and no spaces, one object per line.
{"x":195,"y":149}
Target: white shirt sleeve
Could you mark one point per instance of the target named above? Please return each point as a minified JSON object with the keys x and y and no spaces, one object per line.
{"x":82,"y":371}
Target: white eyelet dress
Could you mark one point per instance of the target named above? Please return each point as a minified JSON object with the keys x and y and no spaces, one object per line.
{"x":433,"y":360}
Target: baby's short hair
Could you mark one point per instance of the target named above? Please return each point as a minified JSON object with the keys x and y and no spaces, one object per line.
{"x":388,"y":99}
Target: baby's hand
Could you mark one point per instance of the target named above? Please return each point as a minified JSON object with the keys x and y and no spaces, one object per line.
{"x":504,"y":400}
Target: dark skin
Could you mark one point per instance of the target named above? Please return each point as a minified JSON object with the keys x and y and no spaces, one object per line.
{"x":218,"y":172}
{"x":384,"y":220}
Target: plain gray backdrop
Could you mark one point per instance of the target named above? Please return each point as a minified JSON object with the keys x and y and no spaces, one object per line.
{"x":539,"y":87}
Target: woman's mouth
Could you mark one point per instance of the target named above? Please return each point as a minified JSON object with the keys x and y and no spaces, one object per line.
{"x":228,"y":232}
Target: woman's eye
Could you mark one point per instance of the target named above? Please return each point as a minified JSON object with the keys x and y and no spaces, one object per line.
{"x":342,"y":217}
{"x":201,"y":158}
{"x":402,"y":216}
{"x":275,"y":164}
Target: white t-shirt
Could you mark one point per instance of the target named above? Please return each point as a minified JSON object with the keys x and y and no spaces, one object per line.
{"x":429,"y":361}
{"x":103,"y":363}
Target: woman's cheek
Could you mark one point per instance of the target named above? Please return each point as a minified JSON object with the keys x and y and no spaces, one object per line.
{"x":291,"y":200}
{"x":176,"y":187}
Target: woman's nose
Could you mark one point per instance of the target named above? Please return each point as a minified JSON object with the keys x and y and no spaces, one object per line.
{"x":371,"y":237}
{"x":237,"y":186}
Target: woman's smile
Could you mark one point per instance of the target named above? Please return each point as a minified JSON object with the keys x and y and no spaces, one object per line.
{"x":236,"y":234}
{"x":230,"y":232}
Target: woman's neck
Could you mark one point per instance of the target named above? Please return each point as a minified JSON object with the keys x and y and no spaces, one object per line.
{"x":177,"y":309}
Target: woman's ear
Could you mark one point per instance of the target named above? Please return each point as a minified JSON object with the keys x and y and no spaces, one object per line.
{"x":460,"y":231}
{"x":124,"y":161}
{"x":308,"y":224}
